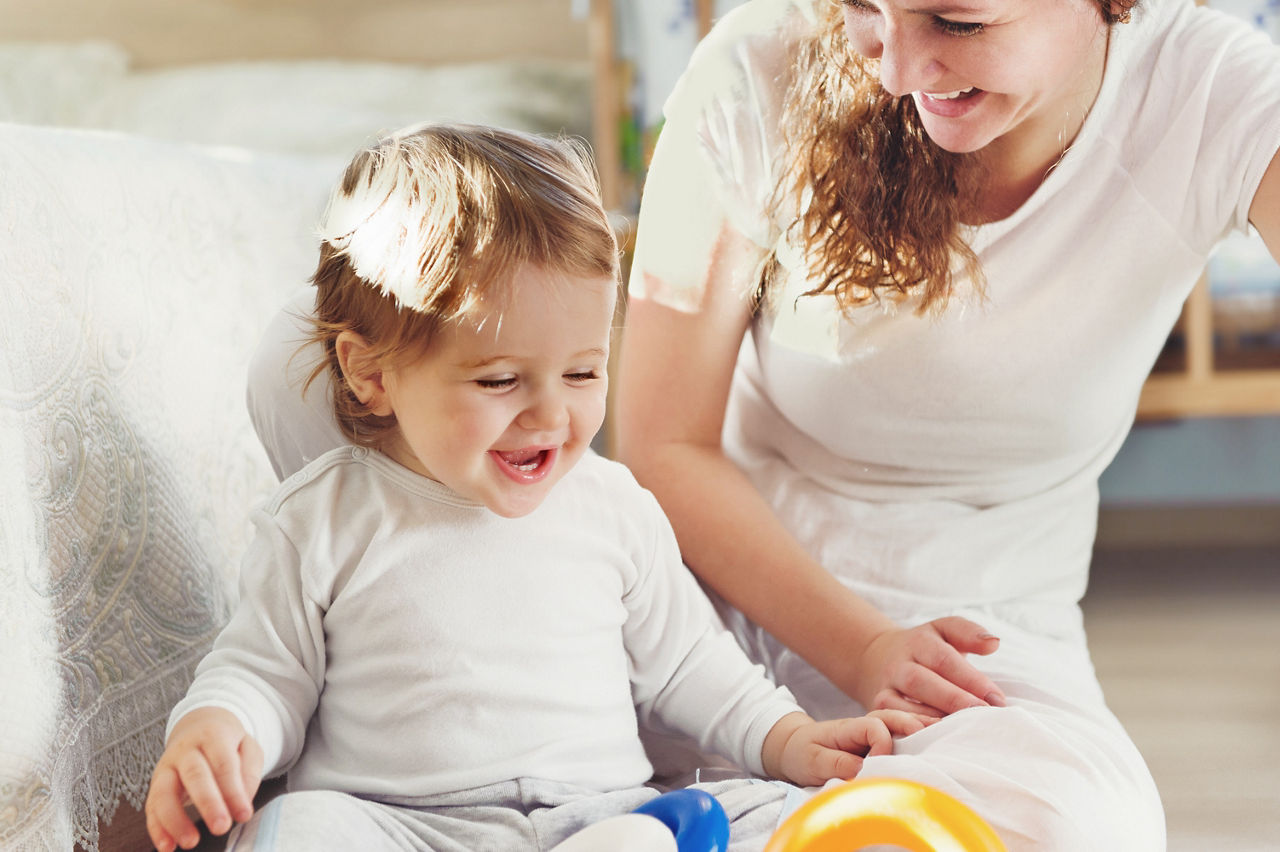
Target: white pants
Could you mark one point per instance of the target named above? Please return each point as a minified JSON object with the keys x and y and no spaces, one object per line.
{"x":525,"y":815}
{"x":1052,"y":772}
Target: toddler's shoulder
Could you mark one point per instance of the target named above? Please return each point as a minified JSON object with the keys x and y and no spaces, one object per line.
{"x":326,"y":473}
{"x":352,"y":487}
{"x":608,"y":486}
{"x":595,"y":472}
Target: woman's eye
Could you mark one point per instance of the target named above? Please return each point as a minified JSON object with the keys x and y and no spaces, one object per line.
{"x":958,"y":28}
{"x":948,"y":26}
{"x":504,"y":382}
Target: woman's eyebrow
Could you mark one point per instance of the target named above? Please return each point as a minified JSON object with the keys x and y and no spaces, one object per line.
{"x":951,"y":9}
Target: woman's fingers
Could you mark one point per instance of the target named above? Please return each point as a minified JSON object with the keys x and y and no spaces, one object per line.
{"x":935,"y":671}
{"x":924,"y":683}
{"x":966,"y":636}
{"x":950,"y":662}
{"x":926,"y":665}
{"x":891,"y":699}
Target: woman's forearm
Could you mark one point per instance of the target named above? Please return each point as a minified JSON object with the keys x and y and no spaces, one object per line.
{"x":732,"y":540}
{"x":676,"y":370}
{"x":675,"y":374}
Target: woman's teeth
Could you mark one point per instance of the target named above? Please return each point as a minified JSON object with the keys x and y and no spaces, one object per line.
{"x":948,"y":96}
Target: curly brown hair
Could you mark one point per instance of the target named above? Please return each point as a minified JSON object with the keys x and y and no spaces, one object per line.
{"x":885,"y":204}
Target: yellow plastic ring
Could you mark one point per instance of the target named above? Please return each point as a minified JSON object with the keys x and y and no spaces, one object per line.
{"x":884,"y":811}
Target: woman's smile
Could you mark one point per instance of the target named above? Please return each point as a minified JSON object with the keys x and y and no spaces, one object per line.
{"x":950,"y":104}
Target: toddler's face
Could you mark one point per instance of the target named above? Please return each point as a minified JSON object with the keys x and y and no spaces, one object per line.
{"x":504,"y":404}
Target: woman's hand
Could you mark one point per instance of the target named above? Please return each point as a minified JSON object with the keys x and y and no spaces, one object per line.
{"x":211,"y":760}
{"x":809,"y":753}
{"x":923,"y":670}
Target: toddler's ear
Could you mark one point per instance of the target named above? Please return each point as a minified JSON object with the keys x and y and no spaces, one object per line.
{"x":362,"y":372}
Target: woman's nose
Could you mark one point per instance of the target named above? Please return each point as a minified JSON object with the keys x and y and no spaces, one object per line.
{"x":905,"y":64}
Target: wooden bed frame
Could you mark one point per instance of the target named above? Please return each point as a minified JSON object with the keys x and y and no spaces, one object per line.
{"x":168,"y":32}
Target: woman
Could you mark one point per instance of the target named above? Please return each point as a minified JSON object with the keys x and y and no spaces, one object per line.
{"x":901,"y":271}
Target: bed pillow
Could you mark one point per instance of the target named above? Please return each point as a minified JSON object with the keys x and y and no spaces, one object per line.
{"x":331,"y":108}
{"x":57,"y":83}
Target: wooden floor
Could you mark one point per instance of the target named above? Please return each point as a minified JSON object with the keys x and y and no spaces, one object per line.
{"x":1187,"y":646}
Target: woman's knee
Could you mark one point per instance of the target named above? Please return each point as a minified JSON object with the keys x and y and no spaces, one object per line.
{"x":1044,"y":782}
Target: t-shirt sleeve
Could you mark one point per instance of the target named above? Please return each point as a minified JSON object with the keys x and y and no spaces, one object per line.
{"x":713,"y":164}
{"x":1215,"y":92}
{"x":687,"y":671}
{"x":294,"y":428}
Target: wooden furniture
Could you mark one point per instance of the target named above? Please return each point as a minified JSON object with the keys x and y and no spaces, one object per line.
{"x":1194,"y":384}
{"x":1197,"y":387}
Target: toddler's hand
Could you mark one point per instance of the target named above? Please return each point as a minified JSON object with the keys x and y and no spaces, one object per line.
{"x":809,"y":753}
{"x":211,"y":760}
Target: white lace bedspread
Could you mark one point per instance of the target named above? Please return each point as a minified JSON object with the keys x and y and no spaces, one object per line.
{"x":135,"y":279}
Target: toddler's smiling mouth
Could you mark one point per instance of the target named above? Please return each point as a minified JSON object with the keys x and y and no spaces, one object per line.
{"x":525,"y":465}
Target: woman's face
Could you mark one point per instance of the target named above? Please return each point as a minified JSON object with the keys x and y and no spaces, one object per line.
{"x":1024,"y":72}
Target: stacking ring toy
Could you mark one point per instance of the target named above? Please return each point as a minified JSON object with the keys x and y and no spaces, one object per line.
{"x":694,"y":817}
{"x":884,"y":810}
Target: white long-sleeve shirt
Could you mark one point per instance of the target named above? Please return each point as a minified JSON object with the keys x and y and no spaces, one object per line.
{"x":395,"y":638}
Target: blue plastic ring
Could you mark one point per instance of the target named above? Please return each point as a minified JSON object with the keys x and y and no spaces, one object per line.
{"x":696,"y":819}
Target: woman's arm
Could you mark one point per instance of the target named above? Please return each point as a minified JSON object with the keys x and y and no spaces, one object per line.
{"x":1264,"y":213}
{"x":674,"y":380}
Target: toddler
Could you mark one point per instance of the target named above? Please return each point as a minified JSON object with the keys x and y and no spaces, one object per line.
{"x":450,"y":629}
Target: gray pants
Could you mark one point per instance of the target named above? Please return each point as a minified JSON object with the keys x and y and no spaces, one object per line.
{"x":513,"y":816}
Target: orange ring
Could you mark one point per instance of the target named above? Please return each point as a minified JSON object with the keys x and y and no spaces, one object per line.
{"x":884,"y":810}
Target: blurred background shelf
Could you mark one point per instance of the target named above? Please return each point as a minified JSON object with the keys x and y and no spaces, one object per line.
{"x":1221,"y":360}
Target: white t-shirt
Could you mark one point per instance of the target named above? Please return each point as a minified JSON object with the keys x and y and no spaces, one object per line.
{"x":294,"y":427}
{"x":940,"y":463}
{"x":394,"y":638}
